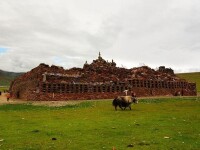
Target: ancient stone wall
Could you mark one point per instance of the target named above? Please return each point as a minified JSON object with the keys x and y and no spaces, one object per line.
{"x":97,"y":91}
{"x":99,"y":80}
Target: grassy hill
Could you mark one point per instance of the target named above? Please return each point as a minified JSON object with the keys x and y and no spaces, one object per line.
{"x":192,"y":77}
{"x":7,"y":77}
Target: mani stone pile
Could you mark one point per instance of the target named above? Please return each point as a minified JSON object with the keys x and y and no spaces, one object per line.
{"x":99,"y":80}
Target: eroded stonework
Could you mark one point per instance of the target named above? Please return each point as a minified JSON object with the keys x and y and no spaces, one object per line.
{"x":99,"y":80}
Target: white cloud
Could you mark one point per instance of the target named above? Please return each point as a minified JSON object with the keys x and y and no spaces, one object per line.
{"x":67,"y":33}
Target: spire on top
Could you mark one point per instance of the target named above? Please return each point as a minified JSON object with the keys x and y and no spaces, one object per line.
{"x":100,"y":56}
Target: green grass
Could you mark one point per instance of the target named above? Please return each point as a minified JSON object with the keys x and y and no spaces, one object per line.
{"x":4,"y":88}
{"x":192,"y":77}
{"x":95,"y":125}
{"x":6,"y":80}
{"x":7,"y":77}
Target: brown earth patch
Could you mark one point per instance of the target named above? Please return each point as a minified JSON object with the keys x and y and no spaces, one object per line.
{"x":3,"y":101}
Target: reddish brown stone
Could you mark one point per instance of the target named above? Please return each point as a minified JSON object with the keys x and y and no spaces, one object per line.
{"x":99,"y":80}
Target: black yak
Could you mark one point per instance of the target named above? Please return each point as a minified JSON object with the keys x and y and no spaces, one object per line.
{"x":124,"y":101}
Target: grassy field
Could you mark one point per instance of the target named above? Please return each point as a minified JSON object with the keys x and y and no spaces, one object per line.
{"x":192,"y":77}
{"x":94,"y":125}
{"x":3,"y":88}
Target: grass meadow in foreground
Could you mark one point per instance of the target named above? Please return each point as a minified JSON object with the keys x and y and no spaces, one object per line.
{"x":95,"y":125}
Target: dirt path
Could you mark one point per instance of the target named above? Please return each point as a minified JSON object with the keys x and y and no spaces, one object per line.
{"x":3,"y":101}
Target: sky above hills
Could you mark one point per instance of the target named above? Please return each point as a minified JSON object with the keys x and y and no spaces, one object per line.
{"x":69,"y":32}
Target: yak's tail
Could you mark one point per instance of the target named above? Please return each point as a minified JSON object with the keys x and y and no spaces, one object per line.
{"x":114,"y":102}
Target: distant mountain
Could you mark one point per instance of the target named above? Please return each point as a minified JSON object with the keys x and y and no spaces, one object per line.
{"x":191,"y":77}
{"x":7,"y":77}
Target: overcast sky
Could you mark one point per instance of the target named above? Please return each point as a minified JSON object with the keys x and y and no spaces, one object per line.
{"x":69,"y":32}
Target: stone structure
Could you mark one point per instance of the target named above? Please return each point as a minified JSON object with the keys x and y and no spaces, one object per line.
{"x":99,"y":80}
